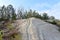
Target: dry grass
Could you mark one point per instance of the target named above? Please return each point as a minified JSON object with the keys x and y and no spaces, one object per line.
{"x":14,"y":36}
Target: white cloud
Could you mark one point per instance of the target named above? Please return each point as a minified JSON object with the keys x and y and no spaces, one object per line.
{"x":41,"y":7}
{"x":4,"y":2}
{"x":55,"y":10}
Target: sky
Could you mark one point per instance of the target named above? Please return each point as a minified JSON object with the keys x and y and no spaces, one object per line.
{"x":51,"y":7}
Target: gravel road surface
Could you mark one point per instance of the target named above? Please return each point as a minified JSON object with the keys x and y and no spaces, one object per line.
{"x":36,"y":29}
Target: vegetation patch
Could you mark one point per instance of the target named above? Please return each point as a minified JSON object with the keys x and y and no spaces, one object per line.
{"x":9,"y":25}
{"x":16,"y":37}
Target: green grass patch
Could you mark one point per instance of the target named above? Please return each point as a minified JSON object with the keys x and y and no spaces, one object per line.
{"x":16,"y":37}
{"x":9,"y":26}
{"x":58,"y":23}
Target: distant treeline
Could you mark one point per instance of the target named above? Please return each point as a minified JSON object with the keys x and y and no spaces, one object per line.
{"x":9,"y":13}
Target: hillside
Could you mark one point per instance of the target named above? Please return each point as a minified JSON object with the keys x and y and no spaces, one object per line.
{"x":36,"y":29}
